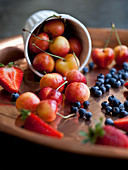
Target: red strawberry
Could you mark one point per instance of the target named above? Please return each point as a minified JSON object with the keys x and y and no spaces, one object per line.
{"x":122,"y":123}
{"x":36,"y":124}
{"x":126,"y":85}
{"x":11,"y":78}
{"x":106,"y":135}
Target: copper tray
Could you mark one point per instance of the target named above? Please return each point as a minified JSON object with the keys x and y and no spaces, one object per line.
{"x":11,"y":49}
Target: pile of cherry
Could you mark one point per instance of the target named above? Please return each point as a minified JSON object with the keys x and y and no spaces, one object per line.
{"x":52,"y":47}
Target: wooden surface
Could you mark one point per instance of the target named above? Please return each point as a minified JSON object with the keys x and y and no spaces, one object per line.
{"x":12,"y":50}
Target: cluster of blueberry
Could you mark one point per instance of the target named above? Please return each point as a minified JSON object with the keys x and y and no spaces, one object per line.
{"x":114,"y":107}
{"x":76,"y":108}
{"x":112,"y":79}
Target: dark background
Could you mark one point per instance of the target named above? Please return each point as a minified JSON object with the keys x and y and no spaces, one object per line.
{"x":92,"y":13}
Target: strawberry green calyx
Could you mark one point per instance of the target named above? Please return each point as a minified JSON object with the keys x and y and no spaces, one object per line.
{"x":24,"y":114}
{"x":93,"y":134}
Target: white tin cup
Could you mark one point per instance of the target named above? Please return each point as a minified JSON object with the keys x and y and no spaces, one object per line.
{"x":36,"y":19}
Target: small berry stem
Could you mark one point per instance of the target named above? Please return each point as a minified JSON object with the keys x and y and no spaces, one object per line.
{"x":49,"y":53}
{"x":66,"y":117}
{"x":62,"y":85}
{"x":117,"y":37}
{"x":37,"y":36}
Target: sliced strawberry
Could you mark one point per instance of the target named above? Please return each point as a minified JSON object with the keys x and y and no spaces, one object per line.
{"x":126,"y":85}
{"x":11,"y":78}
{"x":106,"y":135}
{"x":36,"y":124}
{"x":122,"y":123}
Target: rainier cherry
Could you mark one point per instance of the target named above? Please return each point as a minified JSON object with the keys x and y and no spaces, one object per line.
{"x":41,"y":41}
{"x":43,"y":62}
{"x":54,"y":28}
{"x":75,"y":45}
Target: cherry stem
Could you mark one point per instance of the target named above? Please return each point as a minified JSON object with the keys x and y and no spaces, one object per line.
{"x":108,"y":40}
{"x":37,"y":36}
{"x":56,"y":56}
{"x":76,"y":59}
{"x":62,"y":85}
{"x":66,"y":117}
{"x":117,"y":37}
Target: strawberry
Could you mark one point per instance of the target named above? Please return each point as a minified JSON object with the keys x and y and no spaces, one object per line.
{"x":126,"y":85}
{"x":10,"y":78}
{"x":122,"y":123}
{"x":106,"y":135}
{"x":36,"y":124}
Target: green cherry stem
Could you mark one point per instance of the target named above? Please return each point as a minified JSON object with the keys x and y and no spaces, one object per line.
{"x":56,"y":56}
{"x":76,"y":59}
{"x":62,"y":85}
{"x":108,"y":40}
{"x":66,"y":117}
{"x":37,"y":36}
{"x":117,"y":37}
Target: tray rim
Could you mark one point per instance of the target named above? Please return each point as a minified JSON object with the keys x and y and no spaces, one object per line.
{"x":77,"y":148}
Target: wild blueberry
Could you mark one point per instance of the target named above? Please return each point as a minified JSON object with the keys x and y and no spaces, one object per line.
{"x":109,"y":122}
{"x":86,"y":104}
{"x":104,"y":104}
{"x":123,"y":113}
{"x":98,"y":83}
{"x":103,"y":89}
{"x":91,"y":65}
{"x":113,"y":70}
{"x":74,"y":109}
{"x":98,"y":93}
{"x":82,"y":112}
{"x":14,"y":97}
{"x":111,"y":98}
{"x":85,"y":70}
{"x":108,"y":109}
{"x":93,"y":89}
{"x":88,"y":115}
{"x":115,"y":111}
{"x":77,"y":104}
{"x":108,"y":86}
{"x":100,"y":76}
{"x":108,"y":76}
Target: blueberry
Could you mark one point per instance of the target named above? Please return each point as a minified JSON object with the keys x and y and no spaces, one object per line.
{"x":82,"y":112}
{"x":115,"y":111}
{"x":86,"y":104}
{"x":116,"y":102}
{"x":103,"y":89}
{"x":98,"y":93}
{"x":74,"y":109}
{"x":106,"y":81}
{"x":93,"y":89}
{"x":108,"y":76}
{"x":108,"y":86}
{"x":113,"y":70}
{"x":98,"y":83}
{"x":125,"y":66}
{"x":14,"y":97}
{"x":112,"y":81}
{"x":100,"y":80}
{"x":104,"y":104}
{"x":125,"y":75}
{"x":91,"y":65}
{"x":126,"y":105}
{"x":123,"y":113}
{"x":116,"y":84}
{"x":109,"y":122}
{"x":77,"y":104}
{"x":121,"y":106}
{"x":127,"y":98}
{"x":115,"y":76}
{"x":122,"y":82}
{"x":85,"y":70}
{"x":108,"y":109}
{"x":100,"y":76}
{"x":111,"y":98}
{"x":88,"y":115}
